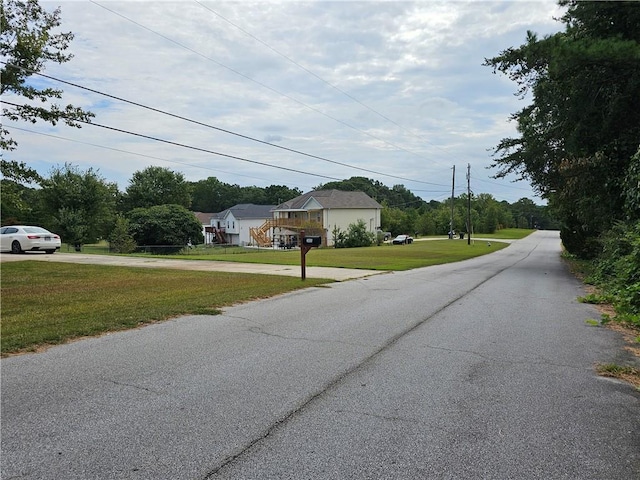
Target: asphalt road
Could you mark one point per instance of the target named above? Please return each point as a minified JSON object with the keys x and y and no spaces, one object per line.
{"x":479,"y":369}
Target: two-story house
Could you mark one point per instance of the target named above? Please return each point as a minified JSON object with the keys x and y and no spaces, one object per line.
{"x":319,"y":212}
{"x":233,"y":225}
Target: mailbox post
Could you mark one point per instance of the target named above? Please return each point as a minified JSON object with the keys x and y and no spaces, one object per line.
{"x":306,"y":244}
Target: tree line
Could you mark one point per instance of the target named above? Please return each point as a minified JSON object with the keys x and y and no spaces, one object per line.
{"x":83,"y":207}
{"x":579,"y":139}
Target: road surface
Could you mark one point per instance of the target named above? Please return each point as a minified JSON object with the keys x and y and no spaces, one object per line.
{"x":480,"y":369}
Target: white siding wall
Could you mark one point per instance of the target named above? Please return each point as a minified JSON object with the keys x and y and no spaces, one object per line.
{"x":343,"y":217}
{"x":244,"y":226}
{"x":231,"y":224}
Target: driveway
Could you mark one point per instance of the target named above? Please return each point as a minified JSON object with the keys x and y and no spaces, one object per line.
{"x":338,"y":274}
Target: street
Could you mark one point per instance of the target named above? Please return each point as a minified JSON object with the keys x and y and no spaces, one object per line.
{"x":478,"y":369}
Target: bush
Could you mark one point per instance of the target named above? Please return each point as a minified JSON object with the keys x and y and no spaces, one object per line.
{"x":355,"y":236}
{"x":169,"y":227}
{"x":120,"y":241}
{"x":618,"y":268}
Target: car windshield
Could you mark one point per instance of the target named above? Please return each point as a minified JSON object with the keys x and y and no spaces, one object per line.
{"x":35,"y":230}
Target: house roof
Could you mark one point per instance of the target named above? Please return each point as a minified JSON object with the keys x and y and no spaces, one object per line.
{"x":247,"y":211}
{"x":331,"y":199}
{"x":204,"y":218}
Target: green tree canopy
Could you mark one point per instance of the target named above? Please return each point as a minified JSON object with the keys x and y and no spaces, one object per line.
{"x":578,"y":136}
{"x":157,"y":186}
{"x":15,"y":194}
{"x":27,"y":42}
{"x":212,"y":195}
{"x":277,"y":194}
{"x":398,"y":196}
{"x":171,"y":227}
{"x":79,"y":205}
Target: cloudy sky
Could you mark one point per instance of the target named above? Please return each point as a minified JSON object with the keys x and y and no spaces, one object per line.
{"x":290,"y":93}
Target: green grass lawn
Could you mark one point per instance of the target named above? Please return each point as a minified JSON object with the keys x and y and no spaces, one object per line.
{"x":383,"y":257}
{"x":48,"y":303}
{"x":507,"y":234}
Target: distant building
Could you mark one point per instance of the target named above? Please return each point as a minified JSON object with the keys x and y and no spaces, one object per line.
{"x":233,"y":225}
{"x":318,"y":213}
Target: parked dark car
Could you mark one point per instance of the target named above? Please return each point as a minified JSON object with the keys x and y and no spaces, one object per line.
{"x":402,"y":240}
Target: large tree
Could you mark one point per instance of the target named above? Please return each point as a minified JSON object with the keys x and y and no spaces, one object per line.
{"x":157,"y":186}
{"x":579,"y":134}
{"x":28,"y":40}
{"x":79,"y":205}
{"x":277,"y":194}
{"x":15,"y":193}
{"x":398,"y":196}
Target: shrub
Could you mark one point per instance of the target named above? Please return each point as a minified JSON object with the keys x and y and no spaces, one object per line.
{"x":358,"y":236}
{"x":170,"y":227}
{"x":120,"y":241}
{"x":618,"y":268}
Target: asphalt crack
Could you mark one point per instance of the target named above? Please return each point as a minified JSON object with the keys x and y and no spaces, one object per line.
{"x":131,"y":385}
{"x":261,"y":331}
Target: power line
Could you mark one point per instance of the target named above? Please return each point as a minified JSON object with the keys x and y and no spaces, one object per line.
{"x":196,"y":122}
{"x":199,"y":149}
{"x":262,"y":85}
{"x":315,"y":75}
{"x":127,"y":151}
{"x":501,"y":184}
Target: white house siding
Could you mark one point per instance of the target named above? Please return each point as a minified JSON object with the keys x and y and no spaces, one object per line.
{"x":239,"y":219}
{"x":343,"y":217}
{"x":237,"y":230}
{"x":334,"y":208}
{"x":244,"y":235}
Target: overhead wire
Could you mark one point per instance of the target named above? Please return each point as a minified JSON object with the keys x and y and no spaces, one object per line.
{"x":199,"y":149}
{"x":241,"y":135}
{"x":127,"y":151}
{"x":220,"y":64}
{"x":499,"y":183}
{"x":315,"y":75}
{"x":351,"y":97}
{"x":196,"y":122}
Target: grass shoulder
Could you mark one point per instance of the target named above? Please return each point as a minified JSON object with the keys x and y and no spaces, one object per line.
{"x":47,"y":303}
{"x":628,"y":327}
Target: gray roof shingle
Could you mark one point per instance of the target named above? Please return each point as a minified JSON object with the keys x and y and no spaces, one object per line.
{"x":247,"y":210}
{"x":331,"y":199}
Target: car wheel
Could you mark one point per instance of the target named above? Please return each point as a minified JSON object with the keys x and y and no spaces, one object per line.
{"x":15,"y":247}
{"x":50,"y":251}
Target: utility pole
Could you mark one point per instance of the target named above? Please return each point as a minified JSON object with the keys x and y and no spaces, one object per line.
{"x":453,"y":184}
{"x":468,"y":204}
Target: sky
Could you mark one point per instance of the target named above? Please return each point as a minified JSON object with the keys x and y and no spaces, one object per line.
{"x":289,"y":93}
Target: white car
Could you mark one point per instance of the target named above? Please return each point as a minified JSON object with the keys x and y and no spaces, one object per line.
{"x":23,"y":238}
